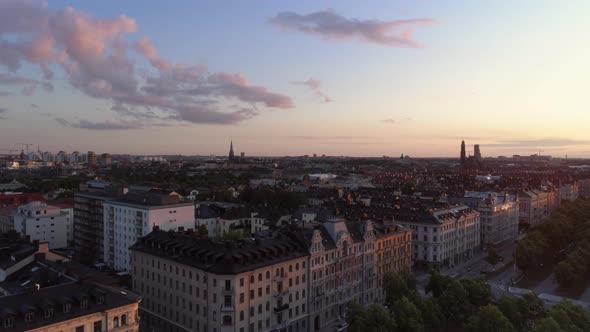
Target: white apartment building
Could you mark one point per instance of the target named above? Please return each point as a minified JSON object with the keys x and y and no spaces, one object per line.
{"x":443,"y":237}
{"x":129,"y":218}
{"x":569,"y":191}
{"x":45,"y":223}
{"x":498,"y":214}
{"x":192,"y":284}
{"x":584,"y":188}
{"x":533,"y":207}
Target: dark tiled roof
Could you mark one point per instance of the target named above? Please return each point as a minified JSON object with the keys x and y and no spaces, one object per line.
{"x":36,"y":302}
{"x":220,"y":258}
{"x":13,"y":246}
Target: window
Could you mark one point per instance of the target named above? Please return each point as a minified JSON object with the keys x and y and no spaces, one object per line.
{"x":67,"y":307}
{"x":9,"y":322}
{"x":226,"y":320}
{"x":124,"y":319}
{"x":29,"y":317}
{"x":84,"y":303}
{"x":48,"y":312}
{"x":241,"y":282}
{"x":80,"y":328}
{"x":241,"y":315}
{"x":116,"y":322}
{"x":100,"y":299}
{"x":97,"y":326}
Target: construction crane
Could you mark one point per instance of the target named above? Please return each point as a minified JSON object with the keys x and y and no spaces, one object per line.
{"x":25,"y":145}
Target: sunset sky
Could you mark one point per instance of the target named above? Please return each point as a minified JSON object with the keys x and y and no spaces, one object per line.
{"x":357,"y":78}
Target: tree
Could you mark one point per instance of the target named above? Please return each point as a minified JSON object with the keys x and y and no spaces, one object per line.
{"x":489,"y":319}
{"x":513,"y":308}
{"x":437,"y":284}
{"x":379,"y":320}
{"x":479,"y":291}
{"x":203,"y":230}
{"x":397,"y":285}
{"x":373,"y":319}
{"x":356,"y":317}
{"x":565,"y":274}
{"x":454,"y":304}
{"x":432,"y":316}
{"x":571,"y":317}
{"x":407,"y":316}
{"x":547,"y":325}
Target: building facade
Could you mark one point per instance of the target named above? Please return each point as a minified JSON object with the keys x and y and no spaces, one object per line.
{"x":444,"y":236}
{"x":89,"y":219}
{"x":126,"y":220}
{"x":534,"y":206}
{"x":498,"y":214}
{"x":348,"y":262}
{"x":197,"y":285}
{"x":291,"y":279}
{"x":72,"y":307}
{"x":44,"y":223}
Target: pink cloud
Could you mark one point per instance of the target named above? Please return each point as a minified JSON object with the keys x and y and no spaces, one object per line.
{"x":94,"y":55}
{"x":330,"y":25}
{"x":314,"y":85}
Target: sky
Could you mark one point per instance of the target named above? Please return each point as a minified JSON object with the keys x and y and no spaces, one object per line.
{"x":278,"y":78}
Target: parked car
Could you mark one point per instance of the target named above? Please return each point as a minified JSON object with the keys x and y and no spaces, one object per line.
{"x":342,"y":327}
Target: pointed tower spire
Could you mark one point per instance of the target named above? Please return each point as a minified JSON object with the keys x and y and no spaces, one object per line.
{"x":231,"y":150}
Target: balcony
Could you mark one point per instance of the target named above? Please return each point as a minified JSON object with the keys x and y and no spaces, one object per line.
{"x":281,"y":326}
{"x":281,"y":308}
{"x":280,"y":277}
{"x":281,"y":293}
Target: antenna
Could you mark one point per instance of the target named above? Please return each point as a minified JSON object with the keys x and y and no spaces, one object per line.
{"x":27,"y":146}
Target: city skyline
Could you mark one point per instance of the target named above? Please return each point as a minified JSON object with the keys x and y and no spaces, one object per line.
{"x":311,"y":77}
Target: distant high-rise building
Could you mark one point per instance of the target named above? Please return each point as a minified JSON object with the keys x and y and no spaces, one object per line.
{"x":476,"y":152}
{"x":91,"y":159}
{"x":61,"y":157}
{"x":231,"y":151}
{"x":106,"y":159}
{"x":76,"y":158}
{"x":47,"y":156}
{"x":242,"y":155}
{"x":463,"y":154}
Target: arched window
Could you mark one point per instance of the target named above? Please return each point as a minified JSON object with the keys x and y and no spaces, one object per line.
{"x":116,"y":322}
{"x":227,"y":320}
{"x":267,"y":274}
{"x":259,"y":276}
{"x":214,"y":316}
{"x":124,"y":319}
{"x":252,"y":278}
{"x":242,"y":315}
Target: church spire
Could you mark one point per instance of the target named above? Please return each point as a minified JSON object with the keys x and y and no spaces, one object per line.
{"x":231,"y":150}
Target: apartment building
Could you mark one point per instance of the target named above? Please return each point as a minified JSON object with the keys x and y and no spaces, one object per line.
{"x":535,"y":206}
{"x":290,"y":279}
{"x":584,"y":188}
{"x":443,"y":236}
{"x":89,"y":219}
{"x":348,"y":262}
{"x":498,"y":214}
{"x":134,"y":215}
{"x":70,"y":307}
{"x":44,"y":223}
{"x":192,"y":284}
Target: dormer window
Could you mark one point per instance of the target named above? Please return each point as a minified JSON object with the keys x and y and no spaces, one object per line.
{"x":8,"y":322}
{"x":100,"y":299}
{"x":48,"y":312}
{"x":84,"y":303}
{"x":29,"y":317}
{"x":67,"y":307}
